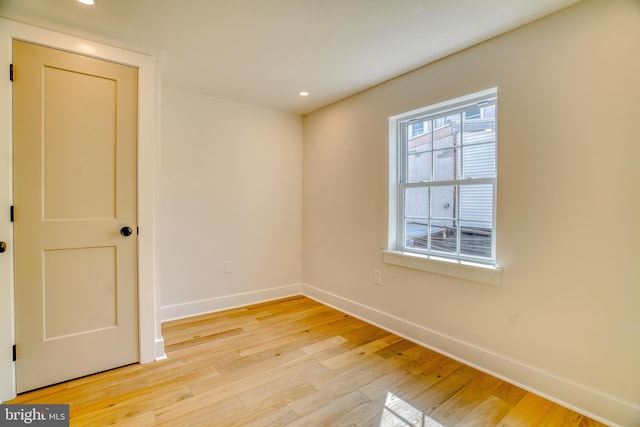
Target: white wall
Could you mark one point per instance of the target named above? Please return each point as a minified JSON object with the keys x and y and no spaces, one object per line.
{"x":229,"y":189}
{"x":566,"y":320}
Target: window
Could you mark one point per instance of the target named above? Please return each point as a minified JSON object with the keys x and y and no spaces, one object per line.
{"x":416,"y":129}
{"x":473,"y":114}
{"x":443,"y":188}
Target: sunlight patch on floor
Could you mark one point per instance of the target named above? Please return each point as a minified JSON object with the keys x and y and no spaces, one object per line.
{"x":398,"y":413}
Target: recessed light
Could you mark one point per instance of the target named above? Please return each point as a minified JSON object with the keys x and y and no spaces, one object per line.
{"x":88,"y":2}
{"x":303,"y":93}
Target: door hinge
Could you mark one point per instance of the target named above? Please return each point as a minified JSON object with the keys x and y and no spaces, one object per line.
{"x":15,"y":353}
{"x":11,"y":72}
{"x":11,"y":213}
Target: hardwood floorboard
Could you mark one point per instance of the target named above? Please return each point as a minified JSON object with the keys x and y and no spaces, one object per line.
{"x":296,"y":362}
{"x":455,"y":409}
{"x":330,"y":412}
{"x":446,"y":388}
{"x":431,"y":373}
{"x":487,"y":413}
{"x":366,"y":414}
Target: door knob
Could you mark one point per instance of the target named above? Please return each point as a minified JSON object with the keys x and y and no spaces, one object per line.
{"x":3,"y":247}
{"x":126,"y":231}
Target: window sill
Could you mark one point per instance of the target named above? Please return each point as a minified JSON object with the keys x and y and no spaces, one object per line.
{"x":460,"y":269}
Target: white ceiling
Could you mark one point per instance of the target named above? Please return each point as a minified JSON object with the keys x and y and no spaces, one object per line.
{"x":262,"y":52}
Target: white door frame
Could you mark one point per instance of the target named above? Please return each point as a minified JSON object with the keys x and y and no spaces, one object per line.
{"x":151,"y":345}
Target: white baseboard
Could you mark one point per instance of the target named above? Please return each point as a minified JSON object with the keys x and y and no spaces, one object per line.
{"x":194,"y":308}
{"x":596,"y":405}
{"x":160,"y":354}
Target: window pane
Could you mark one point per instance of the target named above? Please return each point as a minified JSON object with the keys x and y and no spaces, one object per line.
{"x":476,"y":205}
{"x":447,"y":134}
{"x":475,"y":241}
{"x":446,"y":164}
{"x":479,"y":132}
{"x":443,"y":201}
{"x":480,"y":126}
{"x":416,"y":129}
{"x":416,"y":234}
{"x":489,"y":111}
{"x":479,"y":161}
{"x":483,"y":136}
{"x":472,"y":114}
{"x":420,"y":143}
{"x":419,"y":167}
{"x":416,"y":202}
{"x":444,"y":236}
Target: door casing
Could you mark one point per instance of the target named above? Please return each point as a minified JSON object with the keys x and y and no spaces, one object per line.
{"x":151,"y":345}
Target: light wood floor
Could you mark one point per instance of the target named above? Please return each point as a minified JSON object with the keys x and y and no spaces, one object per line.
{"x":297,"y":362}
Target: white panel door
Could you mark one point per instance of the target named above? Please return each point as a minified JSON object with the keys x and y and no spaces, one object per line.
{"x":75,"y":131}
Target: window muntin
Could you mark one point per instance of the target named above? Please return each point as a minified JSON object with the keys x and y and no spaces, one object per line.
{"x":447,"y":178}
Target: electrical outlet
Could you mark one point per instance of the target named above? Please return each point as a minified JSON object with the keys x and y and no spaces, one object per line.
{"x":227,"y":267}
{"x":377,"y":277}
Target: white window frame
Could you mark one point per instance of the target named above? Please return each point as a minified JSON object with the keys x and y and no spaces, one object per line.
{"x":484,"y":271}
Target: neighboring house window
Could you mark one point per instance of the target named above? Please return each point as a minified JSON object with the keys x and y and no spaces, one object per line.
{"x":476,"y":113}
{"x":417,"y":129}
{"x":445,"y":180}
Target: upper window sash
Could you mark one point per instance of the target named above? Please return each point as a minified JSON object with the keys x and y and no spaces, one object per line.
{"x":404,"y":131}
